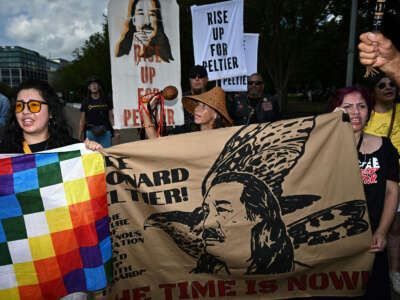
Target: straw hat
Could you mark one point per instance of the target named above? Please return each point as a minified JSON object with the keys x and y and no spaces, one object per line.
{"x":214,"y":98}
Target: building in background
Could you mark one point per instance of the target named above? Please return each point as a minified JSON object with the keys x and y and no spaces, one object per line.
{"x":18,"y":64}
{"x":53,"y":65}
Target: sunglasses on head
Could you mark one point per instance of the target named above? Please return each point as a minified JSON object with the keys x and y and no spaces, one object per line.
{"x":382,"y":85}
{"x":254,"y":82}
{"x":34,"y":106}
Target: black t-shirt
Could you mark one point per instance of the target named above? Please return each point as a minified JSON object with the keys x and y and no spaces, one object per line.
{"x":376,"y":168}
{"x":46,"y":145}
{"x":39,"y":146}
{"x":244,"y":110}
{"x":96,"y":111}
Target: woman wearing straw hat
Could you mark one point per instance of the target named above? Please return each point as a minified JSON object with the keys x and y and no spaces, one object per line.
{"x":209,"y":111}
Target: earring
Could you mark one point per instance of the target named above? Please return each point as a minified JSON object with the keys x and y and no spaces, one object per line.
{"x":52,"y":123}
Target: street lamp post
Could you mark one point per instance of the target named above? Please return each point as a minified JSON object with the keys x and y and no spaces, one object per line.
{"x":352,"y":37}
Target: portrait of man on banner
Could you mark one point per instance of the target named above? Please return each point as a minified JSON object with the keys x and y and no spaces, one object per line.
{"x":243,"y":197}
{"x":144,"y":27}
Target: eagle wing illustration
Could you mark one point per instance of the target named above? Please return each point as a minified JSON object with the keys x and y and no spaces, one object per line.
{"x":330,"y":224}
{"x":183,"y":227}
{"x":267,"y":151}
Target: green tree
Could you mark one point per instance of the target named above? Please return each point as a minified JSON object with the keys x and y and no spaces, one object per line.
{"x":302,"y":42}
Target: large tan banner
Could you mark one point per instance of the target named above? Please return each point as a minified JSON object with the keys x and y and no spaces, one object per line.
{"x":265,"y":211}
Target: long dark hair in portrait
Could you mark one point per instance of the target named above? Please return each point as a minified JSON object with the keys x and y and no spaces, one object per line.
{"x":271,"y":247}
{"x":59,"y":133}
{"x":158,"y":45}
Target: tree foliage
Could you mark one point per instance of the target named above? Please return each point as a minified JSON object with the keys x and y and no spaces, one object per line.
{"x":303,"y":43}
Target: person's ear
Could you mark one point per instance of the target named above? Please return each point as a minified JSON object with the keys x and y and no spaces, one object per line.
{"x":215,"y":115}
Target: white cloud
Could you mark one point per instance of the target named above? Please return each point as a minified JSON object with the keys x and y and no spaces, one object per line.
{"x":55,"y":27}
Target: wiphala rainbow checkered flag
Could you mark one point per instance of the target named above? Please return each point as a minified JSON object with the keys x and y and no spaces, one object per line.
{"x":54,"y":226}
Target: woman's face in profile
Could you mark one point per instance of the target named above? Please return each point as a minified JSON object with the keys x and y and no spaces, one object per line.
{"x":226,"y":225}
{"x":145,"y":21}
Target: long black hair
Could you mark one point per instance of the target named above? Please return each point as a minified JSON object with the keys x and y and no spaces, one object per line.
{"x":59,"y":132}
{"x":271,"y":248}
{"x":158,"y":45}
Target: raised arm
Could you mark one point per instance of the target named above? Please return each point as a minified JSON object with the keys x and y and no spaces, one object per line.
{"x":378,"y":51}
{"x":148,"y":126}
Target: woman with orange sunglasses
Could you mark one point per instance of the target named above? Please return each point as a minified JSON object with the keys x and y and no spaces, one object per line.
{"x":38,"y":123}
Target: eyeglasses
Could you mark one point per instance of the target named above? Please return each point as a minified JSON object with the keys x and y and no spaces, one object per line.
{"x":34,"y":106}
{"x":254,"y":82}
{"x":382,"y":85}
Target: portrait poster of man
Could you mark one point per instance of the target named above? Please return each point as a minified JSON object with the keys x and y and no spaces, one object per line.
{"x":145,"y":56}
{"x":264,"y":211}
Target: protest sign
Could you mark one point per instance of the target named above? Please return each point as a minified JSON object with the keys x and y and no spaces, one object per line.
{"x":54,"y":225}
{"x":145,"y":56}
{"x":218,"y":38}
{"x":265,"y":211}
{"x":239,"y":83}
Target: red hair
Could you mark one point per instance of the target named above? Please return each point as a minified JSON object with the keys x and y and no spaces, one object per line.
{"x":337,"y":98}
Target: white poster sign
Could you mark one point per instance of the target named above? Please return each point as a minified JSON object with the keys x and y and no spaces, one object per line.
{"x":239,"y":83}
{"x":218,"y":38}
{"x":145,"y":56}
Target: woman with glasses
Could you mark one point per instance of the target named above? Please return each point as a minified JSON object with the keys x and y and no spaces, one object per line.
{"x":385,"y":121}
{"x":37,"y":123}
{"x":378,"y":161}
{"x":385,"y":116}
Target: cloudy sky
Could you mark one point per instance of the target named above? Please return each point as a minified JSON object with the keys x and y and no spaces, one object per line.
{"x":54,"y":28}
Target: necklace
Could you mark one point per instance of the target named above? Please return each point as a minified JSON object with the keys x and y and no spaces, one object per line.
{"x":27,"y":149}
{"x":360,"y":140}
{"x":361,"y":163}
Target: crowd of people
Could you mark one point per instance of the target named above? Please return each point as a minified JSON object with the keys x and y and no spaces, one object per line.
{"x":35,"y":122}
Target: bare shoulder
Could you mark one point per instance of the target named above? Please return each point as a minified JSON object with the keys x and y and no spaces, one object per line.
{"x":373,"y":140}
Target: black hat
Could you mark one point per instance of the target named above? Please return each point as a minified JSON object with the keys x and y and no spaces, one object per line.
{"x":93,"y":79}
{"x":199,"y":71}
{"x":372,"y":81}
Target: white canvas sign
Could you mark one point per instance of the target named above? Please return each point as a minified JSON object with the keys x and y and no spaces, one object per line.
{"x":239,"y":83}
{"x":145,"y":56}
{"x":218,"y":38}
